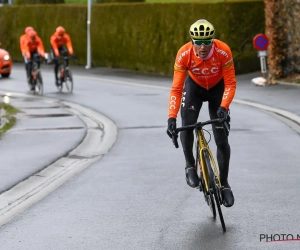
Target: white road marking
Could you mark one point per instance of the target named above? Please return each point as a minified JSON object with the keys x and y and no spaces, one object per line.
{"x":100,"y":137}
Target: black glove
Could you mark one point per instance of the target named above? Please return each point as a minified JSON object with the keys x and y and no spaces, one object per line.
{"x":222,"y":113}
{"x":74,"y":56}
{"x":171,"y":126}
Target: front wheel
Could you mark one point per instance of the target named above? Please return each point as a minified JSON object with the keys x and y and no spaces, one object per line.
{"x":39,"y":88}
{"x":69,"y":81}
{"x":215,"y":188}
{"x":208,"y":195}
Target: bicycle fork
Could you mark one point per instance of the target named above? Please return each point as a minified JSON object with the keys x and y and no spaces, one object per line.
{"x":202,"y":148}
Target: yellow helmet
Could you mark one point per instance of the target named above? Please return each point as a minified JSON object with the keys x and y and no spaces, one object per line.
{"x":202,"y":29}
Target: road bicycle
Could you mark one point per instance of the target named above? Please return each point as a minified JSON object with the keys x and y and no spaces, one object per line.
{"x":36,"y":79}
{"x":207,"y":169}
{"x":65,"y":75}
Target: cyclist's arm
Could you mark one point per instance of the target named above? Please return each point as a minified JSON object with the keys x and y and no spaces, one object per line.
{"x":21,"y":44}
{"x":180,"y":71}
{"x":176,"y":91}
{"x":26,"y":50}
{"x":69,"y":44}
{"x":54,"y":45}
{"x":229,"y":81}
{"x":41,"y":49}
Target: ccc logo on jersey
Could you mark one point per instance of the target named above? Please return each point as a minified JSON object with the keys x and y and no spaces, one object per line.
{"x":205,"y":71}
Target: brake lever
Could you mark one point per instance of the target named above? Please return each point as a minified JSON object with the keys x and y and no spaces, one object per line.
{"x":226,"y":128}
{"x":174,"y":137}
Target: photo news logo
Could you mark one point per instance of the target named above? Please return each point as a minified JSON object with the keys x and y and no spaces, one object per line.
{"x":279,"y":237}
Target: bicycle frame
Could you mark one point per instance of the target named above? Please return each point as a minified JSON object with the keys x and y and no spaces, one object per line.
{"x":35,"y":70}
{"x":209,"y":172}
{"x":203,"y":146}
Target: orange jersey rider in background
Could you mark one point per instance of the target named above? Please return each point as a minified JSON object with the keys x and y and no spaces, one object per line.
{"x":32,"y":47}
{"x":24,"y":38}
{"x":33,"y":44}
{"x":58,"y":40}
{"x":203,"y":72}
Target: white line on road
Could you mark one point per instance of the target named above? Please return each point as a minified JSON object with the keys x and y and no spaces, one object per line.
{"x":100,"y":137}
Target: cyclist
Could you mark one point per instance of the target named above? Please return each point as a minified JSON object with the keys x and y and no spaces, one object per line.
{"x":57,"y":40}
{"x":23,"y":38}
{"x":203,"y":71}
{"x":32,"y":47}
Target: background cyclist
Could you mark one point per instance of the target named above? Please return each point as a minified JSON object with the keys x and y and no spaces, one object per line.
{"x":203,"y":71}
{"x":57,"y":41}
{"x":32,"y":47}
{"x":23,"y":40}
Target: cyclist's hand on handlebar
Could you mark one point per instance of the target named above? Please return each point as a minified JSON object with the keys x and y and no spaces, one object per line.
{"x":171,"y":127}
{"x":222,"y":113}
{"x":171,"y":131}
{"x":74,"y":57}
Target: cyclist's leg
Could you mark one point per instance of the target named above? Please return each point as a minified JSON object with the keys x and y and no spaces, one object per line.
{"x":223,"y":147}
{"x":30,"y":65}
{"x":190,"y":108}
{"x":26,"y":68}
{"x":56,"y":65}
{"x":63,"y":51}
{"x":33,"y":54}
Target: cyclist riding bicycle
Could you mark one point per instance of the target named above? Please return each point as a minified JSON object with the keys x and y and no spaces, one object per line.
{"x":203,"y":71}
{"x":23,"y":39}
{"x":57,"y":40}
{"x":32,"y":47}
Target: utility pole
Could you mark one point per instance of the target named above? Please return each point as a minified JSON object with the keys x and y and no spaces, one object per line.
{"x":89,"y":56}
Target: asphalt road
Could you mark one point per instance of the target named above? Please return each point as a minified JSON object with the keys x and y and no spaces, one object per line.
{"x":136,"y":196}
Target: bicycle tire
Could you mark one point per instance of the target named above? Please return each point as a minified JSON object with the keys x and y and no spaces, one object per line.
{"x":202,"y":188}
{"x":39,"y":87}
{"x":60,"y":79}
{"x":214,"y":187}
{"x":69,"y":81}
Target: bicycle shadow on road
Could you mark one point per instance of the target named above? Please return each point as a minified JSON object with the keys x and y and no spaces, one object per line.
{"x":209,"y":235}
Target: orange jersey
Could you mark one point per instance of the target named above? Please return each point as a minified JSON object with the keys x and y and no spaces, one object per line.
{"x":57,"y":42}
{"x":206,"y":73}
{"x":31,"y":46}
{"x":22,"y":39}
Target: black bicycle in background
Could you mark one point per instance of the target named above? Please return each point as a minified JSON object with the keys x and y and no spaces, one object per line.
{"x":64,"y":76}
{"x":36,"y":80}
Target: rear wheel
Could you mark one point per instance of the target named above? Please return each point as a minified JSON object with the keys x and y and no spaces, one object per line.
{"x":215,"y":188}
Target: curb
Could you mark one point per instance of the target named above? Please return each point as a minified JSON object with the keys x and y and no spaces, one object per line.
{"x":100,"y":137}
{"x":288,"y":83}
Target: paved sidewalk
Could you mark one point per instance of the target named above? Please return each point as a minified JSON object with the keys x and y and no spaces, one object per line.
{"x":44,"y":132}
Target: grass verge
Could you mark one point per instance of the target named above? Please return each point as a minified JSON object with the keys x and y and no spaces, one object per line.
{"x":10,"y":116}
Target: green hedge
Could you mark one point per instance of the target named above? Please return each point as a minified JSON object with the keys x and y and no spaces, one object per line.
{"x":138,"y":36}
{"x":119,"y":1}
{"x":39,"y":1}
{"x":149,"y":38}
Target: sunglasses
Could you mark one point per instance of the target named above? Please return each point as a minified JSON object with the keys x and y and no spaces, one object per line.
{"x":205,"y":42}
